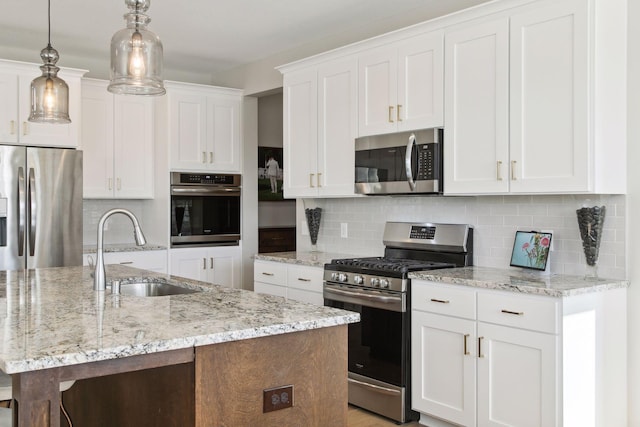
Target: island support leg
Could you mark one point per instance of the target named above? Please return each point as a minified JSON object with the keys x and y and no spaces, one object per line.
{"x":37,"y":396}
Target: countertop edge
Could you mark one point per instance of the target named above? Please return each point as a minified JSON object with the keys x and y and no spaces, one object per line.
{"x":309,"y":259}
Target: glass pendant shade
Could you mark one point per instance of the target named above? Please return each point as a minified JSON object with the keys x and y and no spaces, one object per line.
{"x":49,"y":93}
{"x":136,"y":55}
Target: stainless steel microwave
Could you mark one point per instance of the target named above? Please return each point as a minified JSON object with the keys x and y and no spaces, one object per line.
{"x":399,"y":163}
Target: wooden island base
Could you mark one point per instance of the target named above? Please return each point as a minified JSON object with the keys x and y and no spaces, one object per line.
{"x":224,"y":385}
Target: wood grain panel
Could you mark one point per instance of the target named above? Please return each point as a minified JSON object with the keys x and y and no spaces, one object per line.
{"x":231,"y":377}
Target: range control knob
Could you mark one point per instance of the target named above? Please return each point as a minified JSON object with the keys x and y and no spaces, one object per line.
{"x":384,"y":283}
{"x":375,"y":282}
{"x":342,"y":277}
{"x":358,"y":280}
{"x":334,"y":276}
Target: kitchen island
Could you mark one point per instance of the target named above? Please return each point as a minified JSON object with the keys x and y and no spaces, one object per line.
{"x":235,"y":344}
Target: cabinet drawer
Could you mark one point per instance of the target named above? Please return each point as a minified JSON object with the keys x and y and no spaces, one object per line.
{"x":270,"y":272}
{"x":526,"y":312}
{"x":305,"y":296}
{"x":305,"y":278}
{"x":451,"y":300}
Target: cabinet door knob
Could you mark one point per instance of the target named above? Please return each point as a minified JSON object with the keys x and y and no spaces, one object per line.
{"x":12,"y":127}
{"x":513,"y":170}
{"x":391,"y":114}
{"x":499,"y":170}
{"x":399,"y":114}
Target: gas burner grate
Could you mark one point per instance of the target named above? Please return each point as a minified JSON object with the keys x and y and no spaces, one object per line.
{"x":399,"y":265}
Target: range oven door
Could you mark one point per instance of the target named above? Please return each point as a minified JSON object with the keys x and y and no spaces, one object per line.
{"x":202,"y":215}
{"x":378,"y":348}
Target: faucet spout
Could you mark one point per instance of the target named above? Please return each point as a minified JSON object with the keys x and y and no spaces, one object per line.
{"x":99,"y":277}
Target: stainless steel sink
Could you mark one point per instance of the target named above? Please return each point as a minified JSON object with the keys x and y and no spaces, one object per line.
{"x":151,"y":289}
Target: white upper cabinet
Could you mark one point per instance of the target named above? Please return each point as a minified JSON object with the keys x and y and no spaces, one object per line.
{"x":205,"y":129}
{"x":117,"y":141}
{"x":15,"y":107}
{"x":525,"y":112}
{"x":320,"y":120}
{"x":400,"y":86}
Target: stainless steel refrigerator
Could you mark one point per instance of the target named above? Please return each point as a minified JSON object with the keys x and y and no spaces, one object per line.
{"x":40,"y":207}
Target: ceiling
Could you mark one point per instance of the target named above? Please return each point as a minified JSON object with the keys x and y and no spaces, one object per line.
{"x":210,"y":36}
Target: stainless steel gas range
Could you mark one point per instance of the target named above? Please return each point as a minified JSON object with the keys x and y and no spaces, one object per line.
{"x":380,"y":290}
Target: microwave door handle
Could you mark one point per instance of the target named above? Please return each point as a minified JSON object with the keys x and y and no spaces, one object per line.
{"x":407,"y":161}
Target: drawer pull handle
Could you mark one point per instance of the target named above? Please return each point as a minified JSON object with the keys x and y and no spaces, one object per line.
{"x":267,"y":274}
{"x":516,"y":313}
{"x":391,"y":108}
{"x":440,"y":301}
{"x":513,"y":170}
{"x":126,"y":262}
{"x":480,"y":347}
{"x":499,"y":170}
{"x":466,"y":350}
{"x":303,"y":280}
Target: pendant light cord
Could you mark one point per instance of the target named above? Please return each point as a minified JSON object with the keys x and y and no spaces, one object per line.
{"x":49,"y":18}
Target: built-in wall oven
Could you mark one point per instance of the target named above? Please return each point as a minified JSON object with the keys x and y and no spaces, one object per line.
{"x":379,"y":289}
{"x":205,"y":209}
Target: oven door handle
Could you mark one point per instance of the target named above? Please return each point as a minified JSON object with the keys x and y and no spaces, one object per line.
{"x":195,"y":191}
{"x":393,"y":303}
{"x":407,"y":161}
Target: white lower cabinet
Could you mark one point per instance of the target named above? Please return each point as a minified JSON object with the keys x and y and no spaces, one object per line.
{"x":146,"y":260}
{"x":483,"y":357}
{"x":219,"y":265}
{"x":297,"y":282}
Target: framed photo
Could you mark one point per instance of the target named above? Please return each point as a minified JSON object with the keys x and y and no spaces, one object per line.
{"x":531,"y":250}
{"x":270,"y":174}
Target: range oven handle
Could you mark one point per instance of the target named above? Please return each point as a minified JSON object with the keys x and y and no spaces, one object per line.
{"x":355,"y":296}
{"x":205,"y":191}
{"x":407,"y":161}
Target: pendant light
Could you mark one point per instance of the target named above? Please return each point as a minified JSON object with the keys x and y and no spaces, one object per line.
{"x":49,"y":93}
{"x":136,"y":55}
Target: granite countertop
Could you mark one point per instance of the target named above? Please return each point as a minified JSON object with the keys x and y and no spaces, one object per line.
{"x":52,"y":317}
{"x":311,"y":259}
{"x":555,"y":285}
{"x":91,"y":249}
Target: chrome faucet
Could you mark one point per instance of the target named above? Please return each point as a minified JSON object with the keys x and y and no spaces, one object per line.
{"x":99,"y":279}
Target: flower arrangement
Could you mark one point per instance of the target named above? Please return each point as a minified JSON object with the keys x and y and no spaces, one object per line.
{"x":531,"y":250}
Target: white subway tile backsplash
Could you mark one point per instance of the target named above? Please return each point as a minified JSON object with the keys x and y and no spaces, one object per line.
{"x":494,"y":218}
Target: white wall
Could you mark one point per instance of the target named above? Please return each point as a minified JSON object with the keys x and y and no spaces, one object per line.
{"x":633,"y":211}
{"x":494,"y":218}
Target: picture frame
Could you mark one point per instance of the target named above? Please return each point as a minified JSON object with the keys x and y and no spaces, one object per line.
{"x":265,"y":174}
{"x":531,"y":250}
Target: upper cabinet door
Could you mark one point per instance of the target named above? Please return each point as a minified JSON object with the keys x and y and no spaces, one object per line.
{"x":223,"y":130}
{"x":97,"y":140}
{"x":421,"y":82}
{"x":377,"y":79}
{"x":188,"y":130}
{"x":476,"y":139}
{"x":133,"y":147}
{"x":550,"y":149}
{"x":9,"y":123}
{"x":337,"y":127}
{"x":300,"y":133}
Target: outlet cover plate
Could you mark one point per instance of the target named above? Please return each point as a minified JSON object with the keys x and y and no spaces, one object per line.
{"x":276,"y":398}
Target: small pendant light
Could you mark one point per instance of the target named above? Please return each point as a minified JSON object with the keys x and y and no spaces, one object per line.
{"x":49,"y":93}
{"x":136,"y":55}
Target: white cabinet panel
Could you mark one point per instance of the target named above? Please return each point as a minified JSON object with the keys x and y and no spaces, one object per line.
{"x":297,"y":282}
{"x":147,"y":260}
{"x":9,"y":122}
{"x":218,"y":265}
{"x":377,"y":78}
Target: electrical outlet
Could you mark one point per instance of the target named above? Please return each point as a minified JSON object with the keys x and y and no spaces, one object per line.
{"x":344,"y":231}
{"x":305,"y":228}
{"x":277,"y":398}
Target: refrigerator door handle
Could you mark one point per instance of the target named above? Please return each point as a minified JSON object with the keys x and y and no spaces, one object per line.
{"x":22,"y":211}
{"x":32,"y":212}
